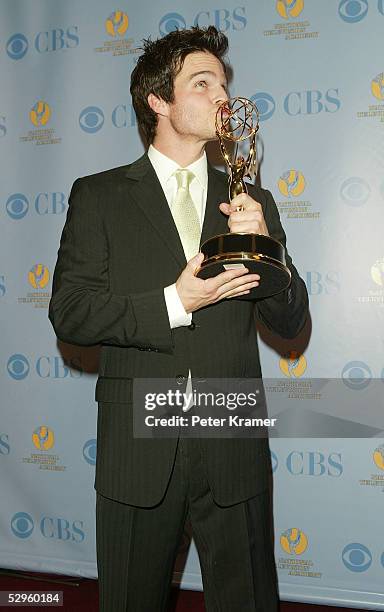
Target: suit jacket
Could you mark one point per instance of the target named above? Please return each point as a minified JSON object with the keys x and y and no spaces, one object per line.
{"x":119,"y":249}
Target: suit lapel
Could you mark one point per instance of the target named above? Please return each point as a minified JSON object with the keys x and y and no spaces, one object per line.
{"x":149,"y":196}
{"x":215,"y":222}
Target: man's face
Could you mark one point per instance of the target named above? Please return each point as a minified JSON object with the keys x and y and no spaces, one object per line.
{"x":199,"y":89}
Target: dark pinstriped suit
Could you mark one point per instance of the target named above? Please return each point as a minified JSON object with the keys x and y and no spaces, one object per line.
{"x":119,"y":249}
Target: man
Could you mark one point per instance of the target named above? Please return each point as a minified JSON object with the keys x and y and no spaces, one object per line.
{"x":122,"y":280}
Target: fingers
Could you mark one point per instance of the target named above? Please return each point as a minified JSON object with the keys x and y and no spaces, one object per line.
{"x":227,"y":277}
{"x":225,"y":208}
{"x":239,"y":290}
{"x":245,"y":215}
{"x":238,"y":294}
{"x":245,"y":221}
{"x":246,"y":227}
{"x":236,"y":285}
{"x":245,"y":201}
{"x":196,"y":293}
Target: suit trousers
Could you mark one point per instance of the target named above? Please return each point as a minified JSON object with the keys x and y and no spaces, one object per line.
{"x":137,"y":547}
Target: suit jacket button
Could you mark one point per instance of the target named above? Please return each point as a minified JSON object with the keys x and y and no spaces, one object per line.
{"x":192,"y":326}
{"x":180,"y":379}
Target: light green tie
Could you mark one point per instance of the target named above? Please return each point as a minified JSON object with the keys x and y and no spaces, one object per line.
{"x":185,"y":215}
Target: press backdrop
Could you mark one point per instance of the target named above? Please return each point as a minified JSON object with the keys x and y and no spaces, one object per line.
{"x":315,"y":71}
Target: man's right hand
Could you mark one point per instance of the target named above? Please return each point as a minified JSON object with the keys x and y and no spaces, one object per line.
{"x":196,"y":293}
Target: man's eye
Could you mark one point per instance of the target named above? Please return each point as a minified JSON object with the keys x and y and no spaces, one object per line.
{"x":201,"y":84}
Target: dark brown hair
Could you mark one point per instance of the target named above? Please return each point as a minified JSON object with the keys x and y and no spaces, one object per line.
{"x":160,"y":63}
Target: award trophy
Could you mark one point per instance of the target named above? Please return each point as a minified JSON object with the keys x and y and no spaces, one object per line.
{"x":237,"y":122}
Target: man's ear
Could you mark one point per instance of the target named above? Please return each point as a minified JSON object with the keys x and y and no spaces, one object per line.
{"x":157,"y":105}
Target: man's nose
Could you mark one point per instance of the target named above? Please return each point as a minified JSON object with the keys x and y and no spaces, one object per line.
{"x":221,"y":97}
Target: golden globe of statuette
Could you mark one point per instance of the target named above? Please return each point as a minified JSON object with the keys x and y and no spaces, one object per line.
{"x":237,"y":123}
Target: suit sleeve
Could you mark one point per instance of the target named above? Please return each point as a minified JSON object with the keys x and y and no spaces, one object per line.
{"x":83,"y":310}
{"x":286,"y":312}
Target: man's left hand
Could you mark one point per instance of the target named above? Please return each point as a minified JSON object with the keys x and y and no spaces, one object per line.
{"x":250,"y":220}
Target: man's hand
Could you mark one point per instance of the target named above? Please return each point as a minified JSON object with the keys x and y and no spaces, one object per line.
{"x":250,"y":220}
{"x":196,"y":293}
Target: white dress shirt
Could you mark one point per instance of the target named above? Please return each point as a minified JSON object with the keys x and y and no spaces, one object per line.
{"x":165,"y":170}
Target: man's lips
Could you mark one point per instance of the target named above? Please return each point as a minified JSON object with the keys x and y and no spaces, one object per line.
{"x":225,"y":112}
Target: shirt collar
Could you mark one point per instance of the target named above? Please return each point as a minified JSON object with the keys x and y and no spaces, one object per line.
{"x":165,"y":166}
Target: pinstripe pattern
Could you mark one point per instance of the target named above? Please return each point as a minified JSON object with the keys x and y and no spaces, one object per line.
{"x":234,"y":545}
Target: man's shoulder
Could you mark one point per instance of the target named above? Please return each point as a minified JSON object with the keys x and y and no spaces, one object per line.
{"x":105,"y":175}
{"x":114,"y":175}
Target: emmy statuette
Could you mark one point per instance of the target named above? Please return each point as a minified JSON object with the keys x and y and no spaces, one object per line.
{"x":237,"y":122}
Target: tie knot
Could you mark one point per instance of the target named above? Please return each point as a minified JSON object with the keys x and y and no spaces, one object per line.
{"x":184,"y":178}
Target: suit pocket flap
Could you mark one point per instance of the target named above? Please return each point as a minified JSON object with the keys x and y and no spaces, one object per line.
{"x":118,"y":390}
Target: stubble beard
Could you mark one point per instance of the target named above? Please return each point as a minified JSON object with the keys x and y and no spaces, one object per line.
{"x":192,"y":125}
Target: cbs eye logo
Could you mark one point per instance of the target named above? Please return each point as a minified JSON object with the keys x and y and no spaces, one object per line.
{"x":171,"y":22}
{"x":89,"y":451}
{"x":352,"y":11}
{"x":22,"y":525}
{"x":17,"y":46}
{"x":265,"y":105}
{"x":356,"y":375}
{"x":274,"y":461}
{"x":18,"y":367}
{"x":17,"y":206}
{"x":355,"y":191}
{"x":356,"y":557}
{"x":91,"y":119}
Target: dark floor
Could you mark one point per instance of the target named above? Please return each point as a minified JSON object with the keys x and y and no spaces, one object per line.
{"x":80,"y":595}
